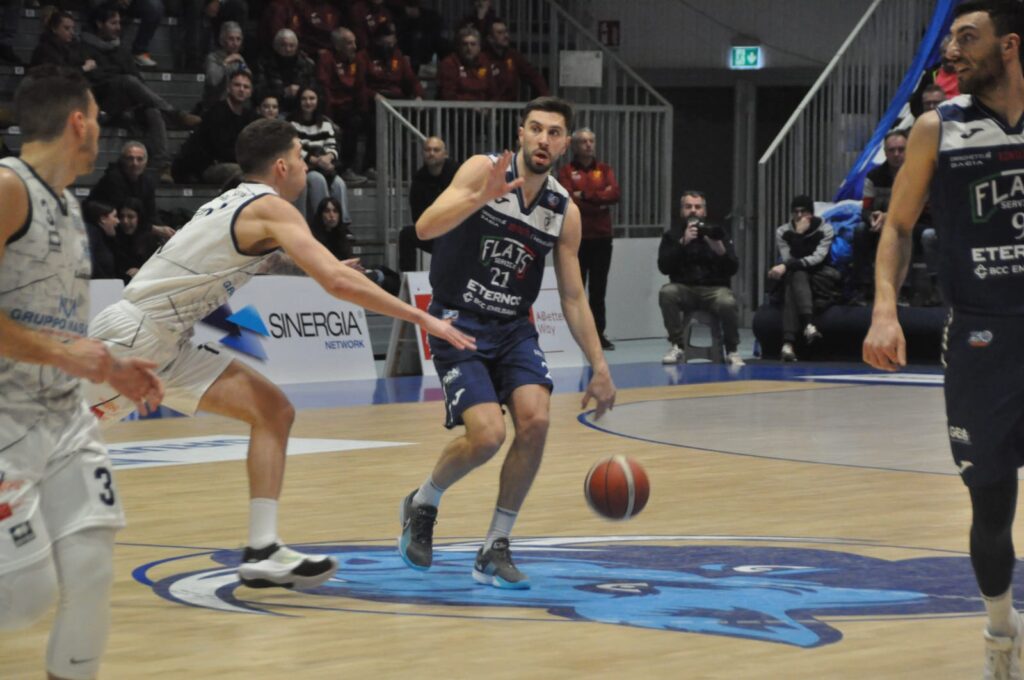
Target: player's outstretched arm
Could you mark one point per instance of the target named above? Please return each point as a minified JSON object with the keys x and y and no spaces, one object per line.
{"x":578,"y":315}
{"x":477,"y":182}
{"x":885,"y":346}
{"x":272,"y":221}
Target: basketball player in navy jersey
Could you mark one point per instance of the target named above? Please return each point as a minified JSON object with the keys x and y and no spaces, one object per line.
{"x":59,"y":507}
{"x":493,"y":227}
{"x":969,"y":155}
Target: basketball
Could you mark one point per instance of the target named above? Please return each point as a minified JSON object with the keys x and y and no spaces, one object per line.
{"x":617,"y":488}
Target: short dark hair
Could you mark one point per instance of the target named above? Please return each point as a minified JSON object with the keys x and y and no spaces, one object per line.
{"x":262,"y":142}
{"x":894,"y":133}
{"x":696,"y":193}
{"x":933,"y":87}
{"x":1007,"y":15}
{"x":101,"y":14}
{"x":46,"y":97}
{"x":244,"y":72}
{"x":551,"y":105}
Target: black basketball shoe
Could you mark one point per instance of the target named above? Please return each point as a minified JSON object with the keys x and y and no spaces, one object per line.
{"x":496,"y":568}
{"x":416,"y":544}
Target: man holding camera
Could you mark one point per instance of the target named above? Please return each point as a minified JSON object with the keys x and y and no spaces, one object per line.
{"x":699,"y":260}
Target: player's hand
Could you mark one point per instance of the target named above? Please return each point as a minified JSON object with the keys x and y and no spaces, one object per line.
{"x":86,"y":358}
{"x":449,"y":333}
{"x":354,"y":264}
{"x":885,"y":347}
{"x":602,"y":389}
{"x":136,"y":379}
{"x":496,"y":185}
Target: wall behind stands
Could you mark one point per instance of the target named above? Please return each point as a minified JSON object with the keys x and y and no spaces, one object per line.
{"x":695,"y":35}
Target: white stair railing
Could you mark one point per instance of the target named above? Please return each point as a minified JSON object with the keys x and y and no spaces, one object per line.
{"x":826,"y":134}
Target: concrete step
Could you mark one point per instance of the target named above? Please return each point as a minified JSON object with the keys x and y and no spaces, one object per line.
{"x":181,"y":90}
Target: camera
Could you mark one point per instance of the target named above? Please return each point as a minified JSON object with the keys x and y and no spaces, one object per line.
{"x":713,"y":232}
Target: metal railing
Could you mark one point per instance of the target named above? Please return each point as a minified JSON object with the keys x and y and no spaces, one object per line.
{"x":540,"y":29}
{"x":827,"y":132}
{"x":635,"y":140}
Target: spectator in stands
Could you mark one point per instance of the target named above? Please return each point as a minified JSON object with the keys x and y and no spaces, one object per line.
{"x":481,"y":18}
{"x":203,"y":21}
{"x":285,"y":71}
{"x":268,"y":107}
{"x":119,"y":89}
{"x":930,"y":97}
{"x":276,"y":15}
{"x":58,"y":43}
{"x":330,"y":230}
{"x":223,"y":63}
{"x":428,"y":182}
{"x":365,"y":19}
{"x":343,"y":77}
{"x":420,"y":34}
{"x":945,"y":74}
{"x":320,"y":151}
{"x":877,"y":191}
{"x":594,"y":189}
{"x":466,"y":75}
{"x":699,"y":260}
{"x":317,"y":19}
{"x":126,"y":178}
{"x":510,"y":67}
{"x":149,"y":13}
{"x":101,"y":227}
{"x":208,"y":155}
{"x":9,"y":17}
{"x":809,"y":283}
{"x":388,"y":74}
{"x":136,"y":240}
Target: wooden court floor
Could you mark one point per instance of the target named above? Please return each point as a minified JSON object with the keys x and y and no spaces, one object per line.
{"x":741,"y":566}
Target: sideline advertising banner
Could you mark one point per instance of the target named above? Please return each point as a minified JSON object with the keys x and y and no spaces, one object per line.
{"x":291,"y":331}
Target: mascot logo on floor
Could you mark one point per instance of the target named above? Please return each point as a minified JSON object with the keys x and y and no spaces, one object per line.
{"x":751,"y":588}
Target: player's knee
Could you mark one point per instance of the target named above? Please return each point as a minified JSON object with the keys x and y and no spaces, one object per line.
{"x":27,"y":594}
{"x":533,"y":428}
{"x":486,"y":440}
{"x":273,"y":409}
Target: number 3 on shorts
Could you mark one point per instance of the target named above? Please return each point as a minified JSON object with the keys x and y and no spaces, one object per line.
{"x":106,"y":481}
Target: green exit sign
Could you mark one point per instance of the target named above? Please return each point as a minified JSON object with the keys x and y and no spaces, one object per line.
{"x":746,"y":58}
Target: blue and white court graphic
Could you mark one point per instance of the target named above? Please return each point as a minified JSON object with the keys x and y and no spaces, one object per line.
{"x":792,"y":591}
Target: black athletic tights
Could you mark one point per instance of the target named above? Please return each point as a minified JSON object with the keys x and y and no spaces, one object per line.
{"x":991,"y":535}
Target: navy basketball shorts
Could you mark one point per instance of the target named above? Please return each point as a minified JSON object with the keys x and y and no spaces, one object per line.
{"x":984,"y":389}
{"x":507,"y":356}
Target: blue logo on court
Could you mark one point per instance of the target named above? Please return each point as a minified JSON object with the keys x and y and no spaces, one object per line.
{"x":243,"y":329}
{"x":757,"y":592}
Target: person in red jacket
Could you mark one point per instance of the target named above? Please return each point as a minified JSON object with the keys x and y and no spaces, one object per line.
{"x":510,"y":67}
{"x":343,"y":78}
{"x":389,"y":75}
{"x":317,"y":18}
{"x":365,"y":17}
{"x":466,"y":75}
{"x":594,"y":189}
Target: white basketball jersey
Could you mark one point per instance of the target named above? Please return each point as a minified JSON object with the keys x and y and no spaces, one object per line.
{"x":44,"y":285}
{"x":200,"y":267}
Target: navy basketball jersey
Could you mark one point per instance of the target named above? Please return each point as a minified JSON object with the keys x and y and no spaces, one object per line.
{"x":492,"y":264}
{"x":977,"y":199}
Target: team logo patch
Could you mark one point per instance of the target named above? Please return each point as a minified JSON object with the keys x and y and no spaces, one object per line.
{"x":980,"y":339}
{"x":22,"y":534}
{"x":768,"y":589}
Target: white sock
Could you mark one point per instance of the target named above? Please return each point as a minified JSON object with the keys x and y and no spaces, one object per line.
{"x":262,"y":522}
{"x":428,"y":494}
{"x":1001,"y":614}
{"x":501,"y":526}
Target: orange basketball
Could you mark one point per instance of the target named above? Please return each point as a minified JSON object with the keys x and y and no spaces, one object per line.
{"x":617,"y":488}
